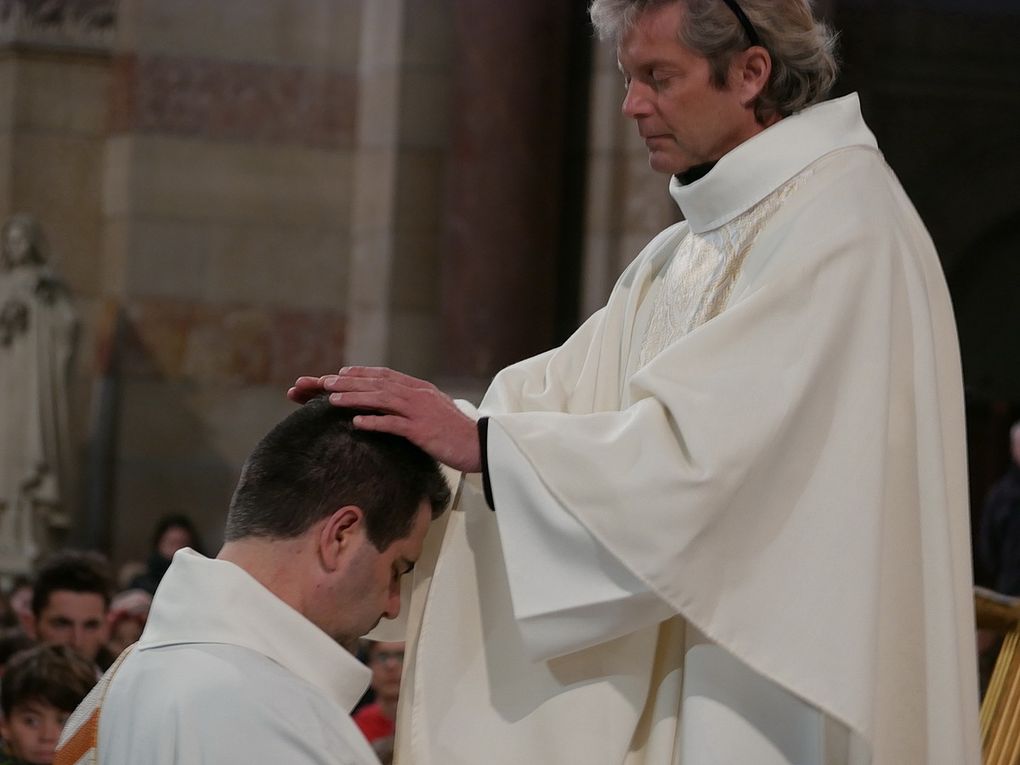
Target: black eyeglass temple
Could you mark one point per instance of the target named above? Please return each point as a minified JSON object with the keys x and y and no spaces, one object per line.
{"x":745,"y":22}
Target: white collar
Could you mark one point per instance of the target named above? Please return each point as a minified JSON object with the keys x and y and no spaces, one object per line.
{"x":203,"y":600}
{"x":760,"y":165}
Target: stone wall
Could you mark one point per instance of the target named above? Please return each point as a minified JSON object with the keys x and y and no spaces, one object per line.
{"x":54,"y":83}
{"x":227,"y":219}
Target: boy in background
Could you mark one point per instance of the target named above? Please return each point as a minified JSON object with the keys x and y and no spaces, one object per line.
{"x":40,"y":689}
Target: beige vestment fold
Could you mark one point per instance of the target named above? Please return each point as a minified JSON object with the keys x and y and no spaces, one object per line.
{"x":749,"y":467}
{"x":226,"y":672}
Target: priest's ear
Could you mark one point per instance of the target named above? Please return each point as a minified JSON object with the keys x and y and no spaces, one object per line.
{"x":340,"y":534}
{"x":749,"y":73}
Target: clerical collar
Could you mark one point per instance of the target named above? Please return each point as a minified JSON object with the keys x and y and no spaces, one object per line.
{"x":696,"y":173}
{"x":761,"y":164}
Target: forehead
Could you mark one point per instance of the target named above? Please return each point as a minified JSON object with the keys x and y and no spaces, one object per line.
{"x":410,"y":546}
{"x":654,"y":37}
{"x":70,"y":603}
{"x":34,"y":706}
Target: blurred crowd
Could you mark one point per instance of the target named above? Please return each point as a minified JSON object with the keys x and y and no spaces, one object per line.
{"x":63,"y":627}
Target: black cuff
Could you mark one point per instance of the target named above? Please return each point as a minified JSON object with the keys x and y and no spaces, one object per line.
{"x":483,"y":442}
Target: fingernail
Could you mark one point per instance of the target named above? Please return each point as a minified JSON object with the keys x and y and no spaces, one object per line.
{"x":329,"y":380}
{"x":334,"y":398}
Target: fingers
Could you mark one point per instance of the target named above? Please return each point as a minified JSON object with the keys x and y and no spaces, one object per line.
{"x":376,"y":373}
{"x":380,"y":400}
{"x":304,"y":389}
{"x":398,"y":426}
{"x":358,"y":384}
{"x":377,"y":388}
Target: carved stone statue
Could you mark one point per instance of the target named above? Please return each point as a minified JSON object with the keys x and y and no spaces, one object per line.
{"x":38,"y":330}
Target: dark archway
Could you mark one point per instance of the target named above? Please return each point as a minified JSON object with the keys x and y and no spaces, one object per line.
{"x":985,"y":285}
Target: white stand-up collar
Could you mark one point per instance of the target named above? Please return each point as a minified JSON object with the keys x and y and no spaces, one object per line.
{"x":203,"y":600}
{"x":760,"y":165}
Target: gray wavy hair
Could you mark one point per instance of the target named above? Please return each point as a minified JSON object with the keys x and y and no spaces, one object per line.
{"x":802,"y":49}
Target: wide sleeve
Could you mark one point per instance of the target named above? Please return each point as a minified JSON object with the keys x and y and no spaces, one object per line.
{"x":568,"y":591}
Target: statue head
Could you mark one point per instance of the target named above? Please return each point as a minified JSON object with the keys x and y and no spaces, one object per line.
{"x":21,"y":242}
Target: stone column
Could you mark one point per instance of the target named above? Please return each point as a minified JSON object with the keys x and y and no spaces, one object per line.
{"x":503,"y":204}
{"x":402,"y":134}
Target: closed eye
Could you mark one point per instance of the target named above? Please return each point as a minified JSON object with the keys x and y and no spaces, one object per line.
{"x":402,"y":568}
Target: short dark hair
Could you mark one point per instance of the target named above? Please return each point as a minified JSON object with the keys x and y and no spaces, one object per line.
{"x":177,"y":521}
{"x":72,"y":570}
{"x":13,"y":640}
{"x":315,"y":461}
{"x":53,"y":674}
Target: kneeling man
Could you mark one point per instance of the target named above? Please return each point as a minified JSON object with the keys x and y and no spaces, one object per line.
{"x":241,"y":659}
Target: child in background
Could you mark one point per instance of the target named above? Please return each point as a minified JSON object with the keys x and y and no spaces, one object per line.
{"x":40,"y":689}
{"x":128,"y":613}
{"x":377,"y":720}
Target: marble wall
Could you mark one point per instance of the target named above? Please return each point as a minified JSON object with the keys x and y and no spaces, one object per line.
{"x":227,"y":216}
{"x":54,"y":80}
{"x":195,"y":173}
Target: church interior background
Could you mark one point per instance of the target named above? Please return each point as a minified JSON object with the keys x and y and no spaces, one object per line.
{"x":241,"y":191}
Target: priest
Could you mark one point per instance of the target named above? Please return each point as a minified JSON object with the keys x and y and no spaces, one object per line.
{"x":726,"y":521}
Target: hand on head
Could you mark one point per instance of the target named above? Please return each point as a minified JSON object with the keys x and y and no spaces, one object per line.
{"x":405,"y":406}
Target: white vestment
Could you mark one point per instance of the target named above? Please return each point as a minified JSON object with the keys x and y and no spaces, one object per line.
{"x":226,"y":673}
{"x":731,"y":513}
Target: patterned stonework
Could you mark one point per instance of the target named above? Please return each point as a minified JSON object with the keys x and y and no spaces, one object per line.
{"x":230,"y":344}
{"x":58,"y":24}
{"x":233,"y":101}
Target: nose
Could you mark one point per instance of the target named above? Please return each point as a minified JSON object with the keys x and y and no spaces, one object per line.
{"x":637,"y":102}
{"x":392,"y":608}
{"x":79,"y":637}
{"x":49,"y":733}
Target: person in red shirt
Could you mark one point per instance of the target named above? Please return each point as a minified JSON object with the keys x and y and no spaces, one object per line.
{"x":376,"y":720}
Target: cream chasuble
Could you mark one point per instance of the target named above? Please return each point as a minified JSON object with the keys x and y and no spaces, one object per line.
{"x":731,"y":515}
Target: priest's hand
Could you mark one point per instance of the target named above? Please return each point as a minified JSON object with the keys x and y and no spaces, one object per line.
{"x":407,"y":406}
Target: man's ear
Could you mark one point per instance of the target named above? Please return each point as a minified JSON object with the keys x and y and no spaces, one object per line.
{"x":338,"y":535}
{"x":750,"y":72}
{"x":31,"y":625}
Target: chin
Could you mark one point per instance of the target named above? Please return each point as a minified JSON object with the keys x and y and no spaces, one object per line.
{"x":667,"y":165}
